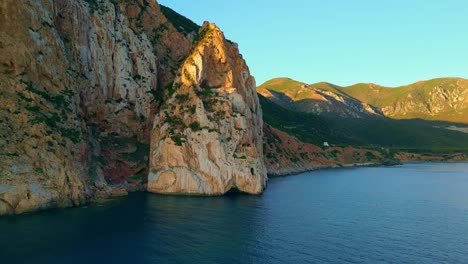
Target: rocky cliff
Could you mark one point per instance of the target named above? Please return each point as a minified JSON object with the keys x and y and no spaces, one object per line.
{"x":207,"y":138}
{"x":81,"y":82}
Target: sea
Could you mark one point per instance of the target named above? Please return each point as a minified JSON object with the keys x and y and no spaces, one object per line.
{"x":411,"y":213}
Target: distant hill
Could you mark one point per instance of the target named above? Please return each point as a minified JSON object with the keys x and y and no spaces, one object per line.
{"x":320,"y":99}
{"x":443,"y":99}
{"x":310,"y":126}
{"x":370,"y":132}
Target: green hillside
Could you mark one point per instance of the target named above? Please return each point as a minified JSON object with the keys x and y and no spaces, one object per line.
{"x":381,"y":96}
{"x":322,"y":98}
{"x":443,"y":99}
{"x":294,"y":89}
{"x":373,"y":132}
{"x":307,"y":127}
{"x":181,"y":23}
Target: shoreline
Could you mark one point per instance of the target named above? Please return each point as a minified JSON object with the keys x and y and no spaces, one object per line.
{"x":293,"y":172}
{"x":120,"y":191}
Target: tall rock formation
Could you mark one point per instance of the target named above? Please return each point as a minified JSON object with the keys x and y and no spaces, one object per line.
{"x":207,"y":138}
{"x":80,"y":83}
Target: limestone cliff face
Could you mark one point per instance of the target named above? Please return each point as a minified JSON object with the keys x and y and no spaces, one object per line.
{"x":117,"y":71}
{"x":78,"y":81}
{"x":207,"y":138}
{"x":41,"y":141}
{"x":82,"y":83}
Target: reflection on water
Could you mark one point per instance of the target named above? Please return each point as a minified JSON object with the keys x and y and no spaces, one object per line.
{"x":415,"y":213}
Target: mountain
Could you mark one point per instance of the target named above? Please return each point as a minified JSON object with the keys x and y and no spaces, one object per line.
{"x":97,"y":95}
{"x":322,"y":98}
{"x":444,"y":99}
{"x":324,"y":125}
{"x":372,"y":132}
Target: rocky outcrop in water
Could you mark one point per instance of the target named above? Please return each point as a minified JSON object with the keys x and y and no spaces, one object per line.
{"x":207,"y":138}
{"x":81,"y":82}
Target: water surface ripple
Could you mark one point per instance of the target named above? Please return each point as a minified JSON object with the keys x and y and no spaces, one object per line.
{"x":415,"y":213}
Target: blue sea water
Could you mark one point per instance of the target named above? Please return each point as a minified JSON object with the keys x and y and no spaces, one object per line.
{"x":414,"y":213}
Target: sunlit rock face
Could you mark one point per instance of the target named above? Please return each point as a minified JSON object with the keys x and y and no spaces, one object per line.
{"x":207,"y":138}
{"x":77,"y":85}
{"x":81,"y":85}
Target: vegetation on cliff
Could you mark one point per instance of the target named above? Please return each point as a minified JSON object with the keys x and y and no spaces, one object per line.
{"x":81,"y":81}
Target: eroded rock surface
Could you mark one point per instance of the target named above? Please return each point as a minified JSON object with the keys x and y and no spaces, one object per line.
{"x":207,"y":138}
{"x":78,"y":85}
{"x":81,"y":83}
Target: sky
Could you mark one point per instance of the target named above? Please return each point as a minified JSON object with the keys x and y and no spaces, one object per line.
{"x":388,"y":42}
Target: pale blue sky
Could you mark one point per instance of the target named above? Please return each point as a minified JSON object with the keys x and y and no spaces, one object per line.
{"x":389,"y":42}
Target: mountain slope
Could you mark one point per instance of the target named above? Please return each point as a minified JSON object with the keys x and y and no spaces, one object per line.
{"x":321,"y":99}
{"x":306,"y":119}
{"x":443,"y":99}
{"x":297,"y":141}
{"x":370,"y":132}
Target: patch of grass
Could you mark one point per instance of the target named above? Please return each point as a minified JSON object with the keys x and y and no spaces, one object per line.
{"x":195,"y":126}
{"x":178,"y":139}
{"x":182,"y":98}
{"x":174,"y":121}
{"x":205,"y":92}
{"x":181,"y":23}
{"x":192,"y":109}
{"x":370,"y":155}
{"x":239,"y":157}
{"x":72,"y":134}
